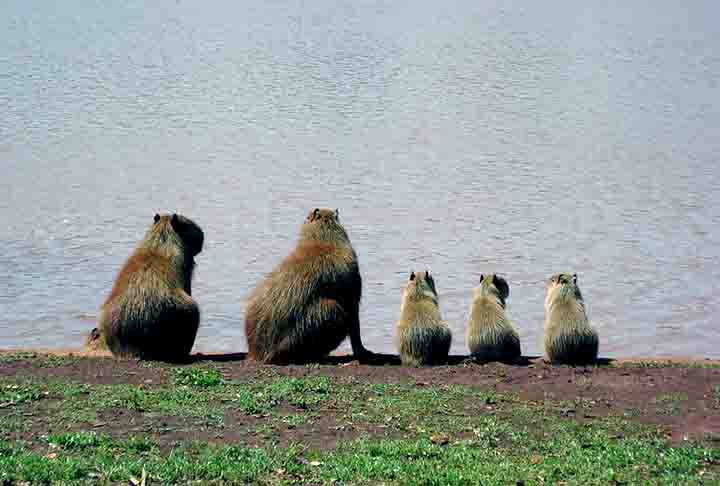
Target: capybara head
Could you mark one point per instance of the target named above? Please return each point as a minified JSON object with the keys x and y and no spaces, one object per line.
{"x":562,"y":279}
{"x":563,"y":286}
{"x":326,"y":216}
{"x":190,"y":233}
{"x":421,"y":284}
{"x":496,"y":285}
{"x":323,"y":224}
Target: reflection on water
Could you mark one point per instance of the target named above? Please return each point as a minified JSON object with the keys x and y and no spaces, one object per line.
{"x":462,"y":137}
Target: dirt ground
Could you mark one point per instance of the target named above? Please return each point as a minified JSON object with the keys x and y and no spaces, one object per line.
{"x":633,"y":389}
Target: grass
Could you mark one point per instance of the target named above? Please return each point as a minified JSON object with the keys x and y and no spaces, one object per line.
{"x":14,"y":393}
{"x":198,"y":377}
{"x":65,"y":432}
{"x":669,"y":403}
{"x":584,"y":457}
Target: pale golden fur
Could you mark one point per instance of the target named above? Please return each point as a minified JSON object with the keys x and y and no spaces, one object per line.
{"x":569,"y":338}
{"x":490,"y":334}
{"x":423,"y":338}
{"x":150,"y":312}
{"x":310,"y":302}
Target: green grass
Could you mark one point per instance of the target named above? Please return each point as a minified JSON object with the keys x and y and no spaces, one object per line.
{"x":198,"y":377}
{"x":586,"y":456}
{"x":669,"y":403}
{"x":487,"y":437}
{"x":13,"y":394}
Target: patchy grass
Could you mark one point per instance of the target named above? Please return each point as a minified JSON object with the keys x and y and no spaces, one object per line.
{"x":586,"y":456}
{"x":196,"y":424}
{"x":669,"y":403}
{"x":198,"y":377}
{"x":40,"y":360}
{"x":13,"y":394}
{"x":667,"y":364}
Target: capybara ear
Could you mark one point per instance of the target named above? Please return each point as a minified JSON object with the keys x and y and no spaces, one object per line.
{"x":157,"y":217}
{"x":175,"y":221}
{"x":502,"y":286}
{"x":430,"y":281}
{"x":412,"y":276}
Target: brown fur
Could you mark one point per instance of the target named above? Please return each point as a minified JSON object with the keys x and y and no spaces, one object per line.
{"x":423,"y":338}
{"x":569,"y":338}
{"x":150,"y":313}
{"x":490,"y":334}
{"x":310,"y":302}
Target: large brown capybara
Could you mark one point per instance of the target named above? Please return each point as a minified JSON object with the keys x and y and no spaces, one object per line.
{"x":423,"y":338}
{"x":150,"y":313}
{"x":490,"y":334}
{"x":310,"y":302}
{"x":569,"y":338}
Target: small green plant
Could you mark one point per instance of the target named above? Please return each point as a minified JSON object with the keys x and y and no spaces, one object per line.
{"x":14,"y":394}
{"x":303,"y":393}
{"x":75,"y":440}
{"x":198,"y":377}
{"x":251,"y":402}
{"x":669,"y":403}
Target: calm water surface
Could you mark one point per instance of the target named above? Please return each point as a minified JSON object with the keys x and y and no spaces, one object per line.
{"x":464,"y":137}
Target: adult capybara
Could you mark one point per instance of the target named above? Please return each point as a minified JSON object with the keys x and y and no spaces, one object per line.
{"x":310,"y":302}
{"x":150,"y":313}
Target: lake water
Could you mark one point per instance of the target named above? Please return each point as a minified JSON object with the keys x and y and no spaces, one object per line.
{"x":464,"y":137}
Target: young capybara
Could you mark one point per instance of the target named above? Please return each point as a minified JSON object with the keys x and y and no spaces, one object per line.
{"x":423,"y":338}
{"x":490,"y":334}
{"x":310,"y":302}
{"x":150,"y":313}
{"x":569,"y":338}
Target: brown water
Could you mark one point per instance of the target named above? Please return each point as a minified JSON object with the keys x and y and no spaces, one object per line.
{"x":464,"y":137}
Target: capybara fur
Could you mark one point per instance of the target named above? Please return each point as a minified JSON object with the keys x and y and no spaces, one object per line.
{"x":423,"y":338}
{"x":309,"y":304}
{"x":569,"y":338}
{"x":95,"y":341}
{"x":490,"y":334}
{"x":150,"y":313}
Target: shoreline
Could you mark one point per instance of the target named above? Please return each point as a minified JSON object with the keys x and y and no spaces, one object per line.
{"x":381,"y":359}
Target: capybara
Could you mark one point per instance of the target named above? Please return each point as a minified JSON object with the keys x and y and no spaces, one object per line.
{"x":423,"y":337}
{"x":150,"y":313}
{"x":569,"y":338}
{"x":490,"y":334}
{"x":309,"y":304}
